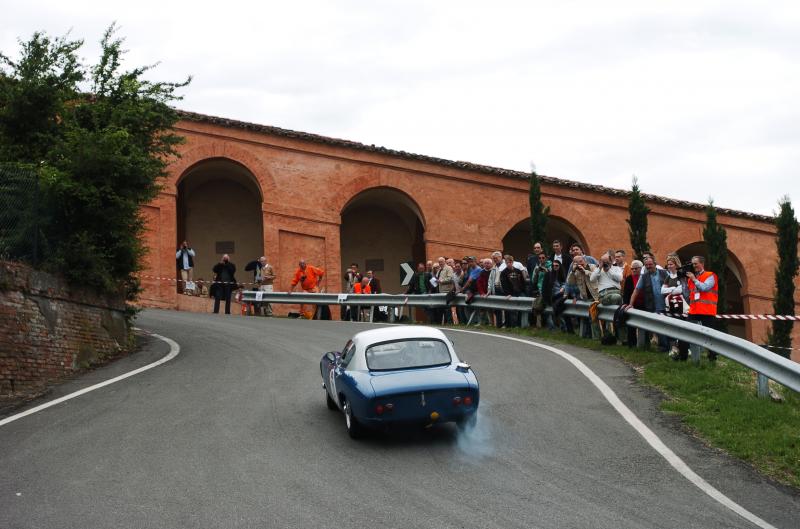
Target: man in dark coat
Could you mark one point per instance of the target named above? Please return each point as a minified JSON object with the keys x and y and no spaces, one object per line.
{"x":421,"y":284}
{"x":225,"y":281}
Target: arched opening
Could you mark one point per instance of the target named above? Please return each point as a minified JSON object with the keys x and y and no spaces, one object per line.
{"x":382,"y":228}
{"x":733,"y":284}
{"x":517,"y":241}
{"x":219,"y":211}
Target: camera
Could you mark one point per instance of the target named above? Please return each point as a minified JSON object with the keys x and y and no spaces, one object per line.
{"x":685,"y":269}
{"x":302,"y":278}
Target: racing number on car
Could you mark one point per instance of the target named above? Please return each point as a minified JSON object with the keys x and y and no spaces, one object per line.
{"x":332,"y":384}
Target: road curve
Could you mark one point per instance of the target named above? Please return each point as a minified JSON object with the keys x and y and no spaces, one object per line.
{"x":234,"y":432}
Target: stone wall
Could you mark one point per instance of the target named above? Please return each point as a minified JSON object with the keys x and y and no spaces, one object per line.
{"x":49,"y":330}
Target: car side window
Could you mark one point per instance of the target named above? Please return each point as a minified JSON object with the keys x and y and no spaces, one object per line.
{"x":347,"y":355}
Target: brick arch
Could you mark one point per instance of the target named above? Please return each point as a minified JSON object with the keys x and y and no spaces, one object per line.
{"x":740,"y":269}
{"x":357,"y":186}
{"x":517,"y":214}
{"x":227,"y":151}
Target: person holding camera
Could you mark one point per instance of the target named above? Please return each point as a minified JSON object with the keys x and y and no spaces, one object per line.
{"x":224,"y":283}
{"x":580,"y":286}
{"x":310,"y":280}
{"x":703,"y":294}
{"x":184,"y":258}
{"x":608,"y":277}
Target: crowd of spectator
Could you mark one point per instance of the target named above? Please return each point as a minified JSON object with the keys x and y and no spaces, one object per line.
{"x":555,"y":279}
{"x":552,"y":280}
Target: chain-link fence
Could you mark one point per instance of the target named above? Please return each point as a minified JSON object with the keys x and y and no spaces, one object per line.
{"x":19,"y":215}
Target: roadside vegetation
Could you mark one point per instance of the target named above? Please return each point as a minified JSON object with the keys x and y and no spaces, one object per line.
{"x":85,"y":146}
{"x":716,"y":402}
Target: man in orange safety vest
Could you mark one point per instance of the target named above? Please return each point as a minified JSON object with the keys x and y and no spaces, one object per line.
{"x":703,"y":299}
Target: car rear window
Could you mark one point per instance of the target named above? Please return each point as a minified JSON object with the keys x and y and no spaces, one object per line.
{"x":407,"y":354}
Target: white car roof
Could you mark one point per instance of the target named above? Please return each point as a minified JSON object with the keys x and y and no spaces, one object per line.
{"x":396,"y":332}
{"x":365,"y":339}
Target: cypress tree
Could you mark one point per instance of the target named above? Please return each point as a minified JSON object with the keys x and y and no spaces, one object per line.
{"x":637,"y":221}
{"x":786,"y":241}
{"x":716,"y":239}
{"x":539,"y":212}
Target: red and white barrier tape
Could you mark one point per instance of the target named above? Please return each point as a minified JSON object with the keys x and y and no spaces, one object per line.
{"x":745,"y":317}
{"x":771,"y":317}
{"x":198,"y":281}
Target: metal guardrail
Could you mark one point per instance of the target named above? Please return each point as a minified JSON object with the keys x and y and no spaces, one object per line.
{"x":767,"y":364}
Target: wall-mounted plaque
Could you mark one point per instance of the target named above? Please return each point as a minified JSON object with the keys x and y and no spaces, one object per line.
{"x":376,"y":265}
{"x":225,"y":247}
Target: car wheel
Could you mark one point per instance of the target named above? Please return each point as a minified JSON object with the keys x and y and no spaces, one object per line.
{"x":468,"y":422}
{"x":353,"y":428}
{"x":331,"y":403}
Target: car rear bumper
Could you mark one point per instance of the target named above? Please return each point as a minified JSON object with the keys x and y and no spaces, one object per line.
{"x":426,"y":417}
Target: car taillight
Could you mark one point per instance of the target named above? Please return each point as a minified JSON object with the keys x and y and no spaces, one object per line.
{"x":456,"y":401}
{"x":380,"y":408}
{"x":467,"y":401}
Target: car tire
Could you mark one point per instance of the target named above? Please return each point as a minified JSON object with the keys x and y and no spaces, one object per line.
{"x":468,"y":422}
{"x":354,"y":430}
{"x":329,"y":401}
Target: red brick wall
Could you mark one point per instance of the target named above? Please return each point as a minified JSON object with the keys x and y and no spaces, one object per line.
{"x":49,"y":331}
{"x":305,"y":187}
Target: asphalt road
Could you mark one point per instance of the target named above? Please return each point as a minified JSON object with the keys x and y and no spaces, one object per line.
{"x":234,"y":432}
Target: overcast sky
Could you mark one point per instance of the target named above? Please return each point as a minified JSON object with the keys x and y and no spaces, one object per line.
{"x":697,"y":99}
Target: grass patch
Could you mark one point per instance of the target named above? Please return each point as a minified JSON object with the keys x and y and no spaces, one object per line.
{"x":717,"y":401}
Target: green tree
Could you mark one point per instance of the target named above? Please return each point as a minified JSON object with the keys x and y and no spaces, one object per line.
{"x":637,"y":221}
{"x":716,"y":239}
{"x":102,"y":138}
{"x":780,"y":335}
{"x":539,"y":212}
{"x":35,"y":92}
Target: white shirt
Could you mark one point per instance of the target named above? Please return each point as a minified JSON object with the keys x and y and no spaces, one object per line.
{"x":517,"y":265}
{"x":606,"y":279}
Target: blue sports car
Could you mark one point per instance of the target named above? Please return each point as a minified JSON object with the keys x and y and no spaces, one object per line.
{"x":399,"y":374}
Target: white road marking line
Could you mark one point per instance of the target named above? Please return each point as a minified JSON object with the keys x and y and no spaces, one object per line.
{"x":174,"y":350}
{"x":652,"y":439}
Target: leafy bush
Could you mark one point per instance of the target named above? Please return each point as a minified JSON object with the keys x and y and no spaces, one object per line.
{"x":101,"y":139}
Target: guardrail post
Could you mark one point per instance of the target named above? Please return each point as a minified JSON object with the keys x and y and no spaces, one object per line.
{"x":694,"y":349}
{"x":523,"y":319}
{"x":391,"y":313}
{"x":641,"y":339}
{"x":763,"y":386}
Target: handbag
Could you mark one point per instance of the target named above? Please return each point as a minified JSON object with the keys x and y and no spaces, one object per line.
{"x":450,"y":297}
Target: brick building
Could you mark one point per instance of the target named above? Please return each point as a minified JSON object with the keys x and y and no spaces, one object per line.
{"x":248,"y":190}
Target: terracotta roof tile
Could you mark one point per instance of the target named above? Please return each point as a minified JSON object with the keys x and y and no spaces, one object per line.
{"x":485,"y":169}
